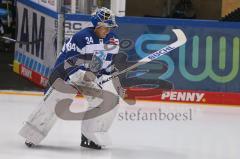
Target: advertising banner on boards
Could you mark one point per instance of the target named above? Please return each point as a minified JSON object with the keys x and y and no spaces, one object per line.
{"x":37,"y":35}
{"x":204,"y":70}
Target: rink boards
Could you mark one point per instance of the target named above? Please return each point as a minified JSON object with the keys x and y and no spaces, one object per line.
{"x":205,"y":70}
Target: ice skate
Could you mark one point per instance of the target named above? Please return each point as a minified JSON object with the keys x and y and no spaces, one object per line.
{"x":29,"y":144}
{"x":89,"y":144}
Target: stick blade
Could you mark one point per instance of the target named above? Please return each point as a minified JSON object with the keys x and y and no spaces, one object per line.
{"x":180,"y":36}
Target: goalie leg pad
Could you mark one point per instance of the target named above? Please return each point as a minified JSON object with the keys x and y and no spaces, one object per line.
{"x":44,"y":117}
{"x":96,"y":129}
{"x":31,"y":133}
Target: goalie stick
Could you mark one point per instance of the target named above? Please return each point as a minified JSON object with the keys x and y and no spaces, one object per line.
{"x":181,"y":40}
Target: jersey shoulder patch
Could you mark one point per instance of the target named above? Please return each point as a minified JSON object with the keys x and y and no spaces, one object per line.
{"x":112,"y":39}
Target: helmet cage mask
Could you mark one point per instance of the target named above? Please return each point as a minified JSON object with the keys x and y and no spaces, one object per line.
{"x":104,"y":17}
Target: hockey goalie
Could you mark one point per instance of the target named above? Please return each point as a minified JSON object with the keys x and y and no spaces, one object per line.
{"x":85,"y":60}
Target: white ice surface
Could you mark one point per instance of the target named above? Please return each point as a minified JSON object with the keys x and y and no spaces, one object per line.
{"x":213,"y":133}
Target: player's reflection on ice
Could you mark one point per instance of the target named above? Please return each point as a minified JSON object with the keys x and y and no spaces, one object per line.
{"x":116,"y":152}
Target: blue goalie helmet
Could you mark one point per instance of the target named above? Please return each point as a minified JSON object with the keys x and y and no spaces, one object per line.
{"x":103,"y":17}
